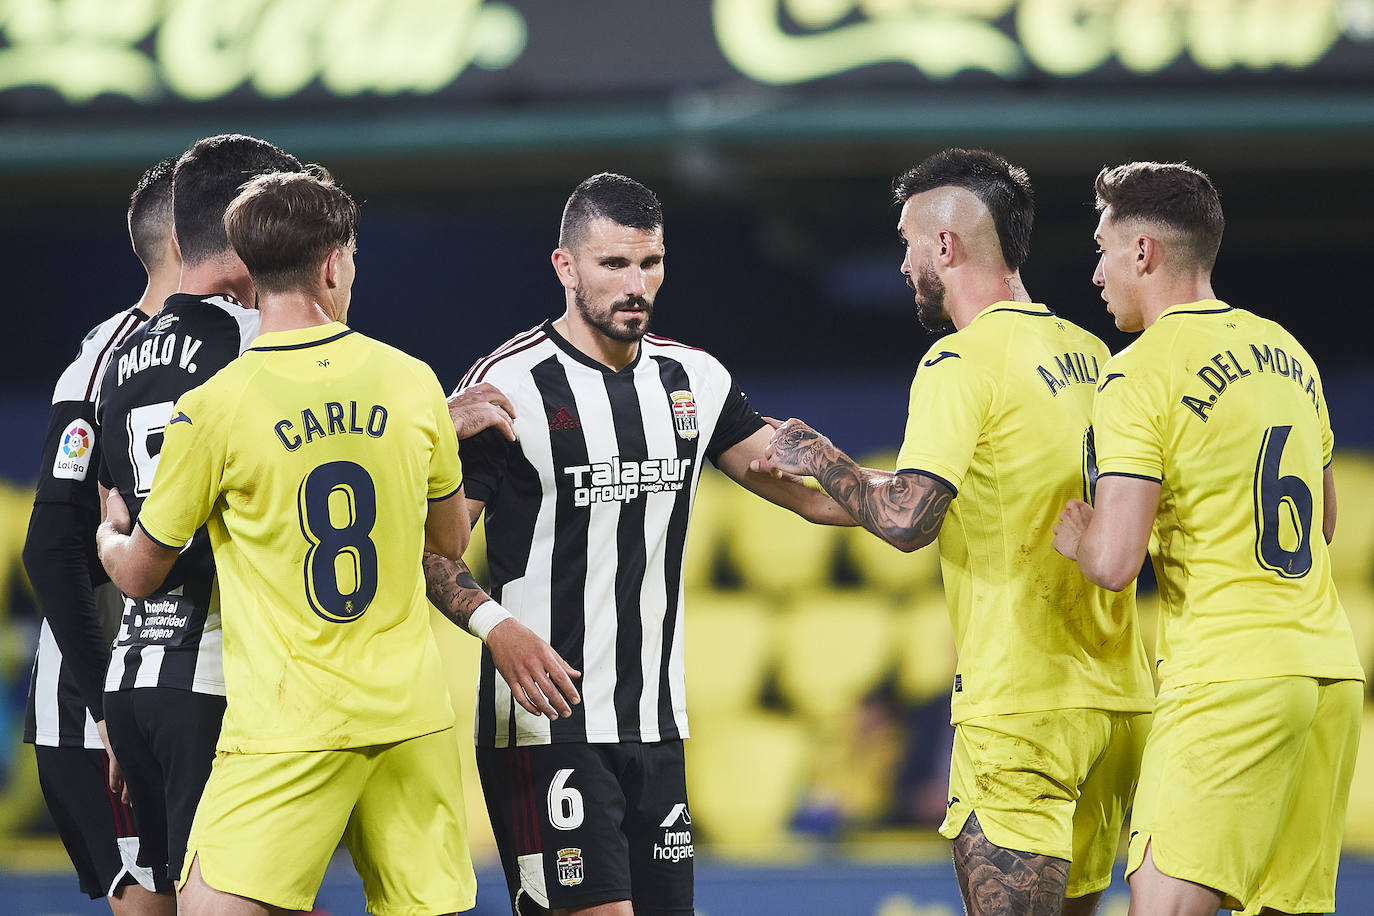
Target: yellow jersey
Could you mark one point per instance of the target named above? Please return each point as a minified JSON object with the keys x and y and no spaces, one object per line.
{"x":311,"y":459}
{"x":999,"y":411}
{"x":1225,"y":410}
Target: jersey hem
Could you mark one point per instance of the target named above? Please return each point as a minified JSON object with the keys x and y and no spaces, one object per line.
{"x":152,"y":537}
{"x":1101,"y":474}
{"x":952,"y":487}
{"x":1118,"y":704}
{"x":319,"y":743}
{"x":435,"y":499}
{"x":1173,"y":683}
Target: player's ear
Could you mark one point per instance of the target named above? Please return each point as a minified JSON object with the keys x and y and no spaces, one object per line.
{"x":331,"y":268}
{"x":565,"y":267}
{"x":947,"y":244}
{"x":1148,"y":254}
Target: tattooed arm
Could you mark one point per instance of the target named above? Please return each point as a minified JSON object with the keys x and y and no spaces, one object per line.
{"x":906,"y":510}
{"x":539,"y":679}
{"x":787,"y":490}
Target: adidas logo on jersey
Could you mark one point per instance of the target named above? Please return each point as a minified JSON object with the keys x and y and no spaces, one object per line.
{"x":564,"y":420}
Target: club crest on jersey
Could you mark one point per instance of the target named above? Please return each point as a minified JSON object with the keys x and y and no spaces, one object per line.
{"x":570,"y":866}
{"x":684,"y":414}
{"x":74,"y":451}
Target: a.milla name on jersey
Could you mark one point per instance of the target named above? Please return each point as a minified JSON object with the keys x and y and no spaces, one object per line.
{"x":1225,"y":369}
{"x":623,"y":481}
{"x":1069,"y":369}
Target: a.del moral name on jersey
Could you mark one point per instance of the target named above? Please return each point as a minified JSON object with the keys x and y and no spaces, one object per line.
{"x":1227,"y":369}
{"x":623,"y":481}
{"x":1069,"y":369}
{"x":334,"y":424}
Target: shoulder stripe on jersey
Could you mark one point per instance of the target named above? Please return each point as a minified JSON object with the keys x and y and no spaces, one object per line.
{"x":126,"y":327}
{"x":491,"y":365}
{"x":303,"y":346}
{"x":669,"y":342}
{"x":497,"y":353}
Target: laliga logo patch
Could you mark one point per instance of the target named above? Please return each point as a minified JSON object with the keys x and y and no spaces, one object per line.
{"x":570,"y":866}
{"x":74,"y":453}
{"x":684,"y":414}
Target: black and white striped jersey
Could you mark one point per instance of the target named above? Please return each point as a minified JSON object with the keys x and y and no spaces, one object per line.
{"x":172,"y":637}
{"x":57,"y":715}
{"x":586,"y":521}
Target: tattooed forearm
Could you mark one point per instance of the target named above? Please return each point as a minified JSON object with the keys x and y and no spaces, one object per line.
{"x":451,"y":587}
{"x":1004,"y":882}
{"x":906,"y":510}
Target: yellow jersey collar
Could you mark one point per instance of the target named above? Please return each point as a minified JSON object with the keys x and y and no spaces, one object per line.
{"x":1201,"y":307}
{"x":299,"y":338}
{"x":1036,"y":309}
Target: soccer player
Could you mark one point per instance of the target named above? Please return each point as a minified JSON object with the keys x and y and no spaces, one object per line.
{"x":1052,"y":691}
{"x":1212,"y":437}
{"x":165,"y":684}
{"x":587,"y":512}
{"x":65,"y":717}
{"x":324,"y":463}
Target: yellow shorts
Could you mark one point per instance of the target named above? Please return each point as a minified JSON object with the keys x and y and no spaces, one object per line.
{"x":1243,"y":789}
{"x":1054,"y":783}
{"x":268,"y":824}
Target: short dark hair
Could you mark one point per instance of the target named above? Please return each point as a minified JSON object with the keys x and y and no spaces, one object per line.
{"x":1171,"y":194}
{"x":208,"y":176}
{"x":284,"y":224}
{"x":150,"y":214}
{"x":621,"y":200}
{"x":1005,"y":189}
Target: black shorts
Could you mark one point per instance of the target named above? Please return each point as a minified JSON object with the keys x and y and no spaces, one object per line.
{"x":164,"y":739}
{"x":583,"y":824}
{"x":92,"y":822}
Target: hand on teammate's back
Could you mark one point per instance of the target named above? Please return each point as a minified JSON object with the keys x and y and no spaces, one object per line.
{"x":480,"y":407}
{"x":1073,"y":521}
{"x":539,"y":678}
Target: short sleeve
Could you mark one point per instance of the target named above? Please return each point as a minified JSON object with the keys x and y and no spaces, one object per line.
{"x":1324,"y":418}
{"x":445,"y":468}
{"x":951,"y":397}
{"x":738,"y":421}
{"x":1128,"y":421}
{"x":190,"y":471}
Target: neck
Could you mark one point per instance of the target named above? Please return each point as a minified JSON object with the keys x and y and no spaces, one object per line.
{"x":291,"y":311}
{"x":612,"y":354}
{"x":965,"y":300}
{"x":1178,"y":291}
{"x":161,"y":284}
{"x":220,"y":275}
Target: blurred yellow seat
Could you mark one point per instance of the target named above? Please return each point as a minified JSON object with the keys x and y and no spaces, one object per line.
{"x":1359,"y":818}
{"x":774,"y":549}
{"x":1352,"y":549}
{"x":731,"y":638}
{"x":461,"y":654}
{"x":745,"y":777}
{"x":834,"y":646}
{"x":925,"y":649}
{"x":1359,"y":605}
{"x":709,"y":519}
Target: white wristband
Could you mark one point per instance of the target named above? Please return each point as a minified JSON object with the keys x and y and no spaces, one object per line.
{"x":485,"y":619}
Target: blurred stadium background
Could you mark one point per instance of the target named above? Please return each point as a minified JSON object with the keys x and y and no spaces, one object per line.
{"x":818,"y":661}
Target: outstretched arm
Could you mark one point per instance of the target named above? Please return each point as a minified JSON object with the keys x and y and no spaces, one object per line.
{"x":785,"y":490}
{"x":135,"y":562}
{"x":906,"y":510}
{"x":539,"y":679}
